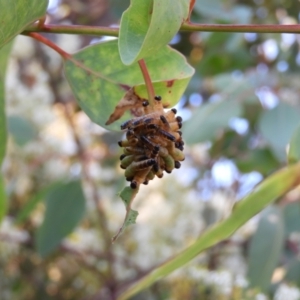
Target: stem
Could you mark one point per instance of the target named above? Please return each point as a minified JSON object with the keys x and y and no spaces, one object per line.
{"x":267,"y":28}
{"x":148,"y":82}
{"x":73,"y":29}
{"x":186,"y":26}
{"x":50,"y":44}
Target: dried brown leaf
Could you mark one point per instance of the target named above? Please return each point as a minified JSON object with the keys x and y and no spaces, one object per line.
{"x":130,"y":101}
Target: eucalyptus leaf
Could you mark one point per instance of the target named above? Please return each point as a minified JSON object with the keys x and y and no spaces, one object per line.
{"x":148,"y":25}
{"x":278,"y":125}
{"x":21,"y":129}
{"x":291,"y":214}
{"x":210,"y":119}
{"x":265,"y":248}
{"x":65,"y":207}
{"x":15,"y":15}
{"x":294,"y":147}
{"x":101,"y":80}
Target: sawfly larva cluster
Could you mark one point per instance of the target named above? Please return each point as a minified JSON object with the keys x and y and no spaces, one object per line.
{"x":153,"y":144}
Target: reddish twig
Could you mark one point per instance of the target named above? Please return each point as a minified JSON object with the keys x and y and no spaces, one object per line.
{"x":148,"y":82}
{"x":50,"y":44}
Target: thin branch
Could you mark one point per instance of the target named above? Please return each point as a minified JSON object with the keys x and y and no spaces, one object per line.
{"x":50,"y":44}
{"x":265,"y":28}
{"x":73,"y":29}
{"x":187,"y":26}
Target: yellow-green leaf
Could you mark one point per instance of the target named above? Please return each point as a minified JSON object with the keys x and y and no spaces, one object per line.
{"x":103,"y":80}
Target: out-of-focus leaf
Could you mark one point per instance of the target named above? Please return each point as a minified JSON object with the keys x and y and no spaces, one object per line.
{"x":32,"y":203}
{"x":148,"y":25}
{"x":277,"y":126}
{"x":3,"y":202}
{"x":216,"y":9}
{"x":15,"y":15}
{"x":21,"y":129}
{"x":265,"y":248}
{"x":260,"y":160}
{"x":265,"y":193}
{"x":65,"y":207}
{"x":216,"y":61}
{"x":293,"y":271}
{"x":118,"y":7}
{"x":233,"y":87}
{"x":4,"y":55}
{"x":292,"y":217}
{"x":294,"y":148}
{"x":209,"y":119}
{"x":99,"y":91}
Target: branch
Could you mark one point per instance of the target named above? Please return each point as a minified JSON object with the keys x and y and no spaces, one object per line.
{"x":73,"y":29}
{"x":265,"y":28}
{"x":50,"y":44}
{"x":187,"y":26}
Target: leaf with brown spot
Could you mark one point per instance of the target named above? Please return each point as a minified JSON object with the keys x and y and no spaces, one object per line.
{"x":100,"y":85}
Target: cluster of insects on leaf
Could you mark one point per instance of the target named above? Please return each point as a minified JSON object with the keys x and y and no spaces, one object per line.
{"x":153,"y":143}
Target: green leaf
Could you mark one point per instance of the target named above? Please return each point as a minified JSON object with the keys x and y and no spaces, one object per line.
{"x":65,"y":207}
{"x":15,"y":15}
{"x":292,"y":217}
{"x":99,"y":91}
{"x":277,"y":126}
{"x":293,"y":271}
{"x":294,"y":148}
{"x":32,"y":203}
{"x":265,"y":193}
{"x":260,"y":160}
{"x":4,"y":55}
{"x":265,"y":248}
{"x":148,"y":25}
{"x":127,"y":195}
{"x":3,"y":201}
{"x":21,"y":129}
{"x":217,"y":9}
{"x":209,"y":119}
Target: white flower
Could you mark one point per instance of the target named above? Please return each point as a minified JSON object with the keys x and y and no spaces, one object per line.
{"x":261,"y":296}
{"x":221,"y":280}
{"x":285,"y":292}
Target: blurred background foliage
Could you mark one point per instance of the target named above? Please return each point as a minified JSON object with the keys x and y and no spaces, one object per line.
{"x":62,"y":171}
